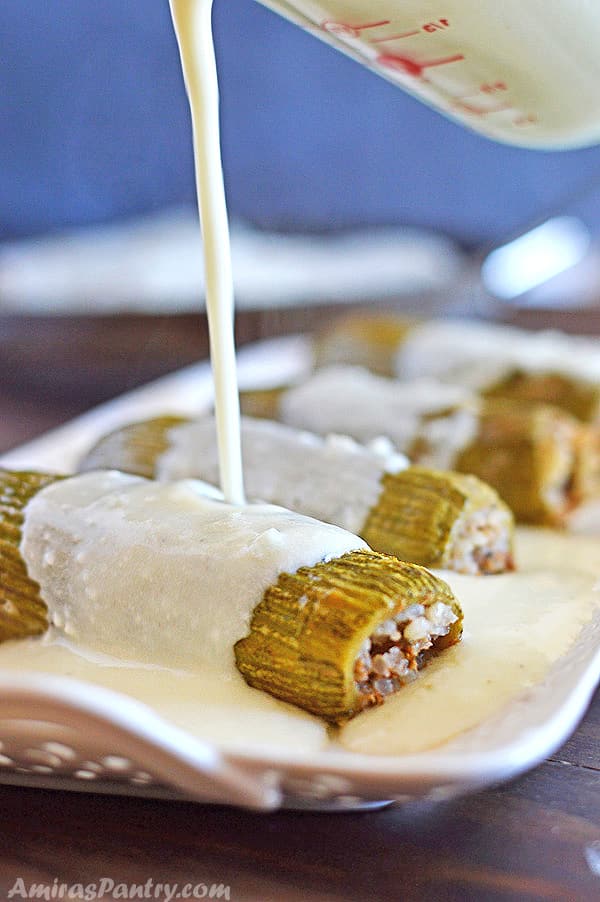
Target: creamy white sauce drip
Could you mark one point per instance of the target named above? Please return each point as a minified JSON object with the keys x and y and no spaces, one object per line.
{"x":355,"y":402}
{"x":517,"y":626}
{"x":192,"y":20}
{"x":477,"y":354}
{"x":224,"y":711}
{"x":162,"y":574}
{"x":333,"y":479}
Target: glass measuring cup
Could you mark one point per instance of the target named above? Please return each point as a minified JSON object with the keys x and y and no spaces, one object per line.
{"x":525,"y":72}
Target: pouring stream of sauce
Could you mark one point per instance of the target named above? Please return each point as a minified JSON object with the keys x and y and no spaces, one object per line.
{"x":193,"y":26}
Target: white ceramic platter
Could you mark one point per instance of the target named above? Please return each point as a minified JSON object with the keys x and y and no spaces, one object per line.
{"x":64,"y":733}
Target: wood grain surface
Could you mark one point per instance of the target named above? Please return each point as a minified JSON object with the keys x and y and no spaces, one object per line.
{"x":536,"y":838}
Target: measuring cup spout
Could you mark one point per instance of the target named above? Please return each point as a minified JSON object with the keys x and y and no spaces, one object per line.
{"x":521,"y":73}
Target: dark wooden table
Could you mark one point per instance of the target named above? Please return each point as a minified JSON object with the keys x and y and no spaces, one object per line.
{"x":536,"y":838}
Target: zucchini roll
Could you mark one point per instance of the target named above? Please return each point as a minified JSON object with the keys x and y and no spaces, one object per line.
{"x":345,"y":634}
{"x":429,"y":517}
{"x":363,"y":339}
{"x":496,"y":360}
{"x":505,"y":362}
{"x":170,"y":575}
{"x":23,"y":611}
{"x":532,"y":455}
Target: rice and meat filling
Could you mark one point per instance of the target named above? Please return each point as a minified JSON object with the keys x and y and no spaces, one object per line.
{"x":481,"y":543}
{"x":398,"y":648}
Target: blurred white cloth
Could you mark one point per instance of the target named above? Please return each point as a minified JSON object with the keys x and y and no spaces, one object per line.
{"x":155,"y":264}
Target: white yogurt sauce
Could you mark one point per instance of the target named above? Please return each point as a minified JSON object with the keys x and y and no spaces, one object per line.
{"x":161,"y":573}
{"x":478,"y":354}
{"x":332,"y":479}
{"x":517,"y":626}
{"x":226,"y":712}
{"x":355,"y":402}
{"x":192,"y":20}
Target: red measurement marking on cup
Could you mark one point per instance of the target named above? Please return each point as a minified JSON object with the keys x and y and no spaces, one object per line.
{"x":344,"y":30}
{"x":439,"y":25}
{"x":493,"y":87}
{"x":410,"y":66}
{"x":396,"y":37}
{"x":466,"y":107}
{"x":428,"y":28}
{"x":489,"y":89}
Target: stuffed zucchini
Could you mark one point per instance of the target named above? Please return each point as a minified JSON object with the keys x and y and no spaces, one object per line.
{"x":169,"y":575}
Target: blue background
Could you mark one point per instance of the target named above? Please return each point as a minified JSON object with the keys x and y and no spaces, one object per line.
{"x":94,"y":126}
